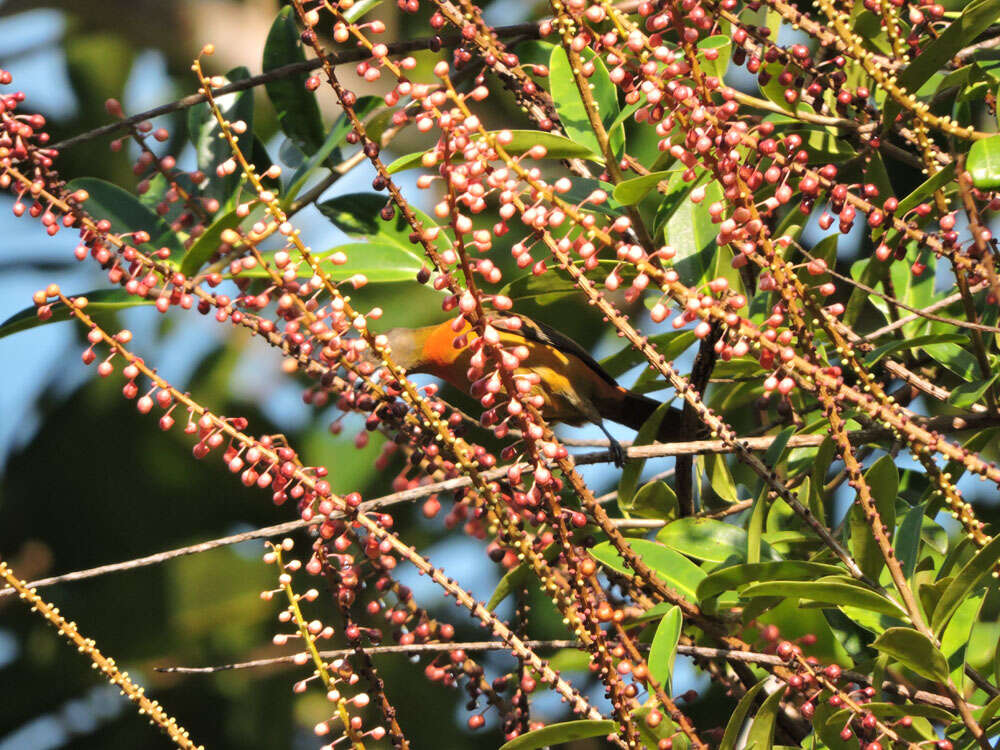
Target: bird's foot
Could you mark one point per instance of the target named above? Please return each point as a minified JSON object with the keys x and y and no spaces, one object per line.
{"x":618,"y":455}
{"x":614,"y":447}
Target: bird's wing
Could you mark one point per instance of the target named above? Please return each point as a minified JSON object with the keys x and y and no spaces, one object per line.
{"x":533,"y":330}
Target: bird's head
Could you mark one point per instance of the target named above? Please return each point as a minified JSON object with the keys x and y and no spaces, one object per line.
{"x":408,"y":348}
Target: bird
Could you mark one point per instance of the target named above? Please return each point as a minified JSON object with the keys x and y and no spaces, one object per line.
{"x":575,"y":389}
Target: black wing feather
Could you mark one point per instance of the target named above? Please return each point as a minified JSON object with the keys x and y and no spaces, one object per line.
{"x":533,"y":330}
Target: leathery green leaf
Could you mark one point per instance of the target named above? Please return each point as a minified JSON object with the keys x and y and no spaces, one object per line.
{"x":664,"y":647}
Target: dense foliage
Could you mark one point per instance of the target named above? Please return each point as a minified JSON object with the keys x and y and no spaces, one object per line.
{"x":784,"y":214}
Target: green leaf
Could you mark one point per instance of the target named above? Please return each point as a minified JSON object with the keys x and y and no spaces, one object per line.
{"x":210,"y":149}
{"x":126,"y":214}
{"x":777,"y":448}
{"x":984,"y":163}
{"x":968,"y":394}
{"x":207,"y":243}
{"x":794,"y":622}
{"x":376,"y":126}
{"x":896,"y":710}
{"x":298,"y":112}
{"x":774,"y":91}
{"x":627,"y":111}
{"x":989,"y":710}
{"x":630,"y":473}
{"x":675,"y":195}
{"x":542,"y":290}
{"x":734,"y":727}
{"x":955,"y":641}
{"x":100,"y":301}
{"x":883,"y":481}
{"x":708,"y":539}
{"x":557,"y":147}
{"x":664,"y":647}
{"x":956,"y":358}
{"x":665,"y":729}
{"x":630,"y":192}
{"x":761,"y":734}
{"x":821,"y":465}
{"x":755,"y":529}
{"x":555,"y":734}
{"x":653,"y":500}
{"x":907,"y":544}
{"x":381,"y":262}
{"x":892,"y":347}
{"x":974,"y":20}
{"x":671,"y":566}
{"x":721,"y":44}
{"x":692,"y":234}
{"x":730,"y":579}
{"x":518,"y":577}
{"x":569,"y":104}
{"x":829,"y":731}
{"x":869,"y":27}
{"x":915,"y":651}
{"x":359,"y":8}
{"x":833,"y":593}
{"x":720,"y":478}
{"x":964,"y":583}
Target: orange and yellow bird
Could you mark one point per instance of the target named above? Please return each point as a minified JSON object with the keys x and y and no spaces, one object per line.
{"x":574,"y":388}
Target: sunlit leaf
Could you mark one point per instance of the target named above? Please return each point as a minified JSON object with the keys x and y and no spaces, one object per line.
{"x":883,"y":482}
{"x":634,"y":190}
{"x":653,"y":500}
{"x":833,"y":593}
{"x":378,"y":261}
{"x":734,"y":726}
{"x":100,"y":301}
{"x":208,"y":243}
{"x":976,"y":17}
{"x":761,"y":734}
{"x":555,"y":734}
{"x":731,"y":578}
{"x":971,"y":575}
{"x":915,"y":651}
{"x":672,"y":567}
{"x":664,"y":647}
{"x":719,"y":46}
{"x":708,"y":539}
{"x":692,"y":234}
{"x":570,"y":105}
{"x":984,"y":163}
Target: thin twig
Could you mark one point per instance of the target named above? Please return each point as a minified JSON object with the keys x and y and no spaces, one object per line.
{"x":700,"y":652}
{"x":657,"y":450}
{"x":529,"y":30}
{"x":916,"y":312}
{"x":949,"y":300}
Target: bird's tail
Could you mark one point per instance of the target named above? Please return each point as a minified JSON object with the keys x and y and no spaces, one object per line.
{"x":633,"y":410}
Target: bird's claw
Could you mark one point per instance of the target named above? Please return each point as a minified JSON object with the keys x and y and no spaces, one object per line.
{"x":617,"y":453}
